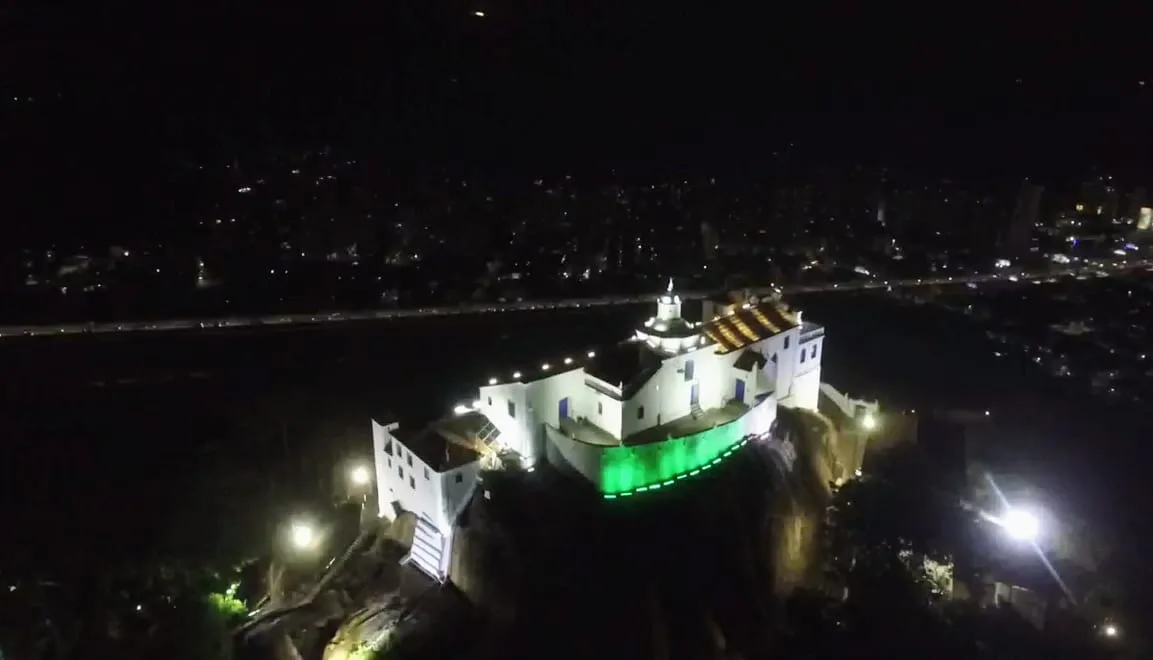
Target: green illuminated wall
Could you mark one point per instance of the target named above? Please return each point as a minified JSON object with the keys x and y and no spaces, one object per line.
{"x":628,"y":469}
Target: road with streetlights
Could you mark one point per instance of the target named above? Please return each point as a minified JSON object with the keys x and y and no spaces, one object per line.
{"x":346,"y":316}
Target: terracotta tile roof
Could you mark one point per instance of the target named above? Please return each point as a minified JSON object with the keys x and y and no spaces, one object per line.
{"x":746,"y":326}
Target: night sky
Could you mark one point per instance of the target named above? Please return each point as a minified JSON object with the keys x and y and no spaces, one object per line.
{"x":122,"y":96}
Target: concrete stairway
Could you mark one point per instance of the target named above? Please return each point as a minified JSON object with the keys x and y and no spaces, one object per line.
{"x":429,"y":550}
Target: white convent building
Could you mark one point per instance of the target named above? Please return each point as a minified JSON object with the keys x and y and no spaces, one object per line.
{"x":658,"y":407}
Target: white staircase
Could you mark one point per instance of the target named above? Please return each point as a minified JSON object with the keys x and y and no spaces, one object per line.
{"x":430,"y":550}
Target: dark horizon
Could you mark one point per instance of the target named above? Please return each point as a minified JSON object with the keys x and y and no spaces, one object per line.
{"x":536,"y":86}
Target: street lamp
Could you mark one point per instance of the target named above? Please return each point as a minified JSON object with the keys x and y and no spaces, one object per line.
{"x":360,"y":476}
{"x":869,"y":422}
{"x":1021,"y":525}
{"x":303,"y":536}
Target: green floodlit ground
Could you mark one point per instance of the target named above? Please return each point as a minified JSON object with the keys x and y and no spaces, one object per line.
{"x":629,"y":470}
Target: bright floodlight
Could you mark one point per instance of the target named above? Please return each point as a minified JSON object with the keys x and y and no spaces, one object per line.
{"x":1021,"y":525}
{"x":869,"y":422}
{"x":1110,"y":630}
{"x":460,"y":409}
{"x":360,"y":475}
{"x":303,"y":536}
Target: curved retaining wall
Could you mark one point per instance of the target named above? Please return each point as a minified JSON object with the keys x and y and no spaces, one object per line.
{"x":624,"y":470}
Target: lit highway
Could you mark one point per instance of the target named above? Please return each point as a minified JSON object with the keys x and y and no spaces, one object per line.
{"x":8,"y":332}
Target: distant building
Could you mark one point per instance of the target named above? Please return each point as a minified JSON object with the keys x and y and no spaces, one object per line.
{"x":1026,"y":216}
{"x":672,"y":400}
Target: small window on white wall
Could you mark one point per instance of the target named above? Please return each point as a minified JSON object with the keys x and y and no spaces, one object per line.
{"x":641,"y":412}
{"x":458,"y":478}
{"x":813,"y":351}
{"x":512,"y":409}
{"x":490,"y":402}
{"x":600,"y":408}
{"x":786,"y":341}
{"x":803,"y":355}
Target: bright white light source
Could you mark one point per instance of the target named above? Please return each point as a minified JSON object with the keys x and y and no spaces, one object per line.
{"x":303,"y":536}
{"x":568,"y":360}
{"x":492,"y":381}
{"x":360,"y":475}
{"x":478,"y":14}
{"x":1021,"y":525}
{"x":1110,"y":630}
{"x":544,"y":367}
{"x":516,"y":374}
{"x":592,"y":354}
{"x":869,"y":422}
{"x":476,"y":405}
{"x":460,"y":409}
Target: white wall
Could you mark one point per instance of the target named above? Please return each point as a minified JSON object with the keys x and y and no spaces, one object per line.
{"x":848,"y":404}
{"x":787,"y":367}
{"x":779,"y":377}
{"x":603,"y":410}
{"x":384,"y":494}
{"x":536,"y":402}
{"x":435,"y":496}
{"x":421,"y":495}
{"x":543,"y":398}
{"x":806,"y":390}
{"x":667,"y":394}
{"x":456,"y":487}
{"x":585,"y":459}
{"x":514,"y":430}
{"x":717,"y":384}
{"x":590,"y":461}
{"x":807,"y":377}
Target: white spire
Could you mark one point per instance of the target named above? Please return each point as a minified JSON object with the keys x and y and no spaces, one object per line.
{"x":670,"y":289}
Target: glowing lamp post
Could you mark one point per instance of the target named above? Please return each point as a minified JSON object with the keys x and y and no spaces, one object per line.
{"x":1021,"y":525}
{"x":360,"y":476}
{"x":869,"y":422}
{"x":302,"y":536}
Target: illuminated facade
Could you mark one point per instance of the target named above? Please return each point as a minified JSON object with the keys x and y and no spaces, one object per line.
{"x":672,"y":400}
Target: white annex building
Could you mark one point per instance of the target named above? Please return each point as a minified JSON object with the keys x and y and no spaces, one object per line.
{"x":658,"y":407}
